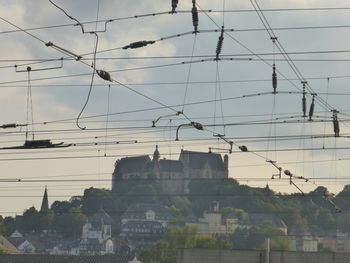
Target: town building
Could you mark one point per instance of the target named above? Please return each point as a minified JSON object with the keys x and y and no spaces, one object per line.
{"x":144,"y":224}
{"x":339,"y":242}
{"x":7,"y":247}
{"x":97,"y":234}
{"x":174,"y":175}
{"x":211,"y":223}
{"x":303,"y":241}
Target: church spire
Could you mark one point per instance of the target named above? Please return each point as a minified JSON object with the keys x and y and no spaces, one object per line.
{"x":45,"y":202}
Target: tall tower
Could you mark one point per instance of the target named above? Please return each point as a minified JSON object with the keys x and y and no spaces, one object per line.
{"x":45,"y":202}
{"x":156,"y":155}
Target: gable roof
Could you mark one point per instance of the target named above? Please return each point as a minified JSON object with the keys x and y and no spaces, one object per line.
{"x":65,"y":259}
{"x":6,"y":246}
{"x":256,"y":219}
{"x":132,"y":164}
{"x":138,"y":211}
{"x":99,"y":218}
{"x":197,"y":160}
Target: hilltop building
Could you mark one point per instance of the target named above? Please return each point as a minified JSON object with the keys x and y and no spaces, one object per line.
{"x":174,"y":175}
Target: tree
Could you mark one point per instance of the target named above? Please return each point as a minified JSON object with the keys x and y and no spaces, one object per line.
{"x":180,"y":237}
{"x":230,"y":210}
{"x":2,"y":226}
{"x":45,"y":219}
{"x":95,"y":198}
{"x":9,"y":224}
{"x":254,"y":238}
{"x":70,"y":223}
{"x":29,"y":221}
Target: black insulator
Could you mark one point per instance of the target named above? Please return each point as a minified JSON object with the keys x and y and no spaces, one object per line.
{"x":104,"y":75}
{"x":243,"y":148}
{"x":195,"y":19}
{"x":274,"y":78}
{"x":336,"y":123}
{"x":174,"y":5}
{"x":9,"y":125}
{"x":220,"y":44}
{"x":312,"y":108}
{"x":304,"y":98}
{"x":304,"y":106}
{"x":139,"y":44}
{"x":197,"y":125}
{"x":336,"y":128}
{"x":288,"y":173}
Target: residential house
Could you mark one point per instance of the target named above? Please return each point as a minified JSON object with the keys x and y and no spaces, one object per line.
{"x":97,"y":234}
{"x":68,"y":259}
{"x":7,"y":247}
{"x":144,"y":224}
{"x":212,"y":222}
{"x":303,"y":241}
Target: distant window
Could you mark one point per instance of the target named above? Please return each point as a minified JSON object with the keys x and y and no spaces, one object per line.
{"x":150,"y":215}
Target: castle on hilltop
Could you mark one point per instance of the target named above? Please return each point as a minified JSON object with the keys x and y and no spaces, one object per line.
{"x":174,"y":175}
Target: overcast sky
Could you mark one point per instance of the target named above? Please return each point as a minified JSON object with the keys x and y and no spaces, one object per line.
{"x":56,"y":95}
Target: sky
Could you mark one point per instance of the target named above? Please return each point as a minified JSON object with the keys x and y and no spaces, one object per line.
{"x":228,"y":97}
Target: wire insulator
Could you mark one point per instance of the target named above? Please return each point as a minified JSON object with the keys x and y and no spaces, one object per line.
{"x":174,"y":5}
{"x":304,"y":106}
{"x":274,"y":79}
{"x":139,"y":44}
{"x":243,"y":148}
{"x":197,"y":125}
{"x":288,"y":173}
{"x":9,"y":125}
{"x":220,"y":44}
{"x":195,"y":19}
{"x":304,"y":98}
{"x":104,"y":75}
{"x":336,"y":123}
{"x":312,"y":108}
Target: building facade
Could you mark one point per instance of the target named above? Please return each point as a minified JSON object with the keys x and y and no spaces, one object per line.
{"x":174,"y":175}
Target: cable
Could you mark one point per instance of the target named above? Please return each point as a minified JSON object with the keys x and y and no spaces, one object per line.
{"x":91,"y":84}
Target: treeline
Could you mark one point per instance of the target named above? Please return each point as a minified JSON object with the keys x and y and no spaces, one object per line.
{"x":311,"y":212}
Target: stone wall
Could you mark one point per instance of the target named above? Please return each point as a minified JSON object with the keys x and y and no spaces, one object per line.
{"x":257,"y":256}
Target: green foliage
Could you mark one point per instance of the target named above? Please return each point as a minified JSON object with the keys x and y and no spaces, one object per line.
{"x":3,"y":252}
{"x":95,"y":198}
{"x":70,"y":223}
{"x":180,"y":237}
{"x":29,"y":221}
{"x":2,"y":225}
{"x":254,"y":238}
{"x":45,"y":220}
{"x":9,"y":225}
{"x":230,"y":210}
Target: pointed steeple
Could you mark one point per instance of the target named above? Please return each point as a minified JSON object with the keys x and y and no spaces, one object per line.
{"x":45,"y":202}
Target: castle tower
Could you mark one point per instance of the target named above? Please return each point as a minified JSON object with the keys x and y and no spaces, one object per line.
{"x":45,"y":202}
{"x":156,"y":155}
